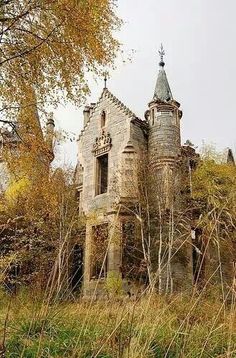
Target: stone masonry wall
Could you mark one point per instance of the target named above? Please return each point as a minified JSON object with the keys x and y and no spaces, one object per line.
{"x":103,"y":208}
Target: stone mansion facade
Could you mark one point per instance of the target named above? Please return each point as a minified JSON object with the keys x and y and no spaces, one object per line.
{"x":112,"y":142}
{"x":133,"y":179}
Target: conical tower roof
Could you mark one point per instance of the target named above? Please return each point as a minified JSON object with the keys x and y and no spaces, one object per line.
{"x":162,"y":89}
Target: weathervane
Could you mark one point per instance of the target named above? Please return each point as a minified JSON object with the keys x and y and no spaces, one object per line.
{"x":162,"y":54}
{"x":105,"y":79}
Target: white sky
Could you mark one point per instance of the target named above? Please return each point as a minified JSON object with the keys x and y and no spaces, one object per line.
{"x":199,"y":41}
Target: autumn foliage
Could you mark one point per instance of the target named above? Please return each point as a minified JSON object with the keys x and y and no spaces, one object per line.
{"x":51,"y":45}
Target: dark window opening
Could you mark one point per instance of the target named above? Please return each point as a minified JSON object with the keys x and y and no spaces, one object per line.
{"x":133,"y":266}
{"x":153,"y":116}
{"x":77,"y":267}
{"x":78,"y":198}
{"x":192,"y":164}
{"x":103,"y":119}
{"x":99,"y":251}
{"x":102,"y":174}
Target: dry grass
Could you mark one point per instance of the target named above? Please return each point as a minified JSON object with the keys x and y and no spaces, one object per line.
{"x":154,"y":326}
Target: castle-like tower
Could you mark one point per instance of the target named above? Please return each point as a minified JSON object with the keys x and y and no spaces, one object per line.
{"x":164,"y":143}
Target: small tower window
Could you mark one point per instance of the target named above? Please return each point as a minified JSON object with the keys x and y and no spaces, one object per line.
{"x":153,"y":116}
{"x":102,"y":174}
{"x":103,"y":119}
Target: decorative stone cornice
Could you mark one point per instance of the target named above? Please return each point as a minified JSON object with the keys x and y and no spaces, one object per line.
{"x":102,"y":144}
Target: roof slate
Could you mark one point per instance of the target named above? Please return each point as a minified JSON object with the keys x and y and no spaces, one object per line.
{"x":162,"y":89}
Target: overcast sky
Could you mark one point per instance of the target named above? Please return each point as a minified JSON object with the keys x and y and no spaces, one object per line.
{"x":199,"y":41}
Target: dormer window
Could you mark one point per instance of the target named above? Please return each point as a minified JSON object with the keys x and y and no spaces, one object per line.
{"x":103,"y":119}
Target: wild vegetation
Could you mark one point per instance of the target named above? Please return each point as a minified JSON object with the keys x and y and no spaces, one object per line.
{"x":49,"y":46}
{"x":46,"y":49}
{"x":42,"y":316}
{"x":152,"y":326}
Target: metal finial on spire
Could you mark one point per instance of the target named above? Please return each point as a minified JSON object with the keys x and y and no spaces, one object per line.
{"x":162,"y":54}
{"x":105,"y":79}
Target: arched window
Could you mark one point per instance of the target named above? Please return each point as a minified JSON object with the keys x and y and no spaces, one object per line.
{"x":103,"y":119}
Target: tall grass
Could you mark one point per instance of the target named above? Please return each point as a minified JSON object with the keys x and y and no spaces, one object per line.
{"x":152,"y":326}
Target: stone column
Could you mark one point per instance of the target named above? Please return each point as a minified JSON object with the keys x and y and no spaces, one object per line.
{"x":115,"y":239}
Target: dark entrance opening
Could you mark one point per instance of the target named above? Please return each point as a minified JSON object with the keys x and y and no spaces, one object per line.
{"x":77,"y":267}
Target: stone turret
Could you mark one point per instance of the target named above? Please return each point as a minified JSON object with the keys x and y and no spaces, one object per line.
{"x":164,"y":143}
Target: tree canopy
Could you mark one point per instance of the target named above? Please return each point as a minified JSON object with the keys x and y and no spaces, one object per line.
{"x":50,"y":45}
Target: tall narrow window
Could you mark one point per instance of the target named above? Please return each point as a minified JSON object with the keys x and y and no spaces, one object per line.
{"x":99,"y":251}
{"x":133,"y":266}
{"x":153,"y":116}
{"x":103,"y":119}
{"x":102,"y":174}
{"x":78,"y":197}
{"x":76,"y":267}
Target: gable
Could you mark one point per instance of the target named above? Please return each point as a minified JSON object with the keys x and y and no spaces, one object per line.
{"x":107,"y":131}
{"x":116,"y":129}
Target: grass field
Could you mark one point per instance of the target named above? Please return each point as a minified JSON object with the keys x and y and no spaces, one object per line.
{"x":152,"y":326}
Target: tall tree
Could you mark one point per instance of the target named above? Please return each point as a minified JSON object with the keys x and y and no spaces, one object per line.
{"x":50,"y":45}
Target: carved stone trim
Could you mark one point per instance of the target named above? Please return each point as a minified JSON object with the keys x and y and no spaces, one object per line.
{"x":102,"y":144}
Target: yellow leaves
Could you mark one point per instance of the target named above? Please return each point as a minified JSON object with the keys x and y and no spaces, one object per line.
{"x":6,"y":261}
{"x":214,"y":188}
{"x":53,"y":51}
{"x":17,"y":189}
{"x":214,"y":182}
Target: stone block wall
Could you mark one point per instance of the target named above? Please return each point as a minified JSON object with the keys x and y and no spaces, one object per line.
{"x":104,"y":208}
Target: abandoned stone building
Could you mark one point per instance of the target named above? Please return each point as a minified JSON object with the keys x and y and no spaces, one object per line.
{"x":112,"y":142}
{"x":131,"y":180}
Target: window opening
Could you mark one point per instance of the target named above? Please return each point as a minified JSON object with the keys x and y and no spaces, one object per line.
{"x":102,"y":174}
{"x":77,"y":267}
{"x":103,"y":119}
{"x":132,"y":254}
{"x":78,"y":196}
{"x":153,"y":116}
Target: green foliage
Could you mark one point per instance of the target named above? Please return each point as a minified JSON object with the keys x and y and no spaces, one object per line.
{"x":152,"y":328}
{"x":214,"y":193}
{"x":215,"y":183}
{"x":114,"y":284}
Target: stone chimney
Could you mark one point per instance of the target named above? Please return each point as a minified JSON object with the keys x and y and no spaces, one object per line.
{"x":87,"y":112}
